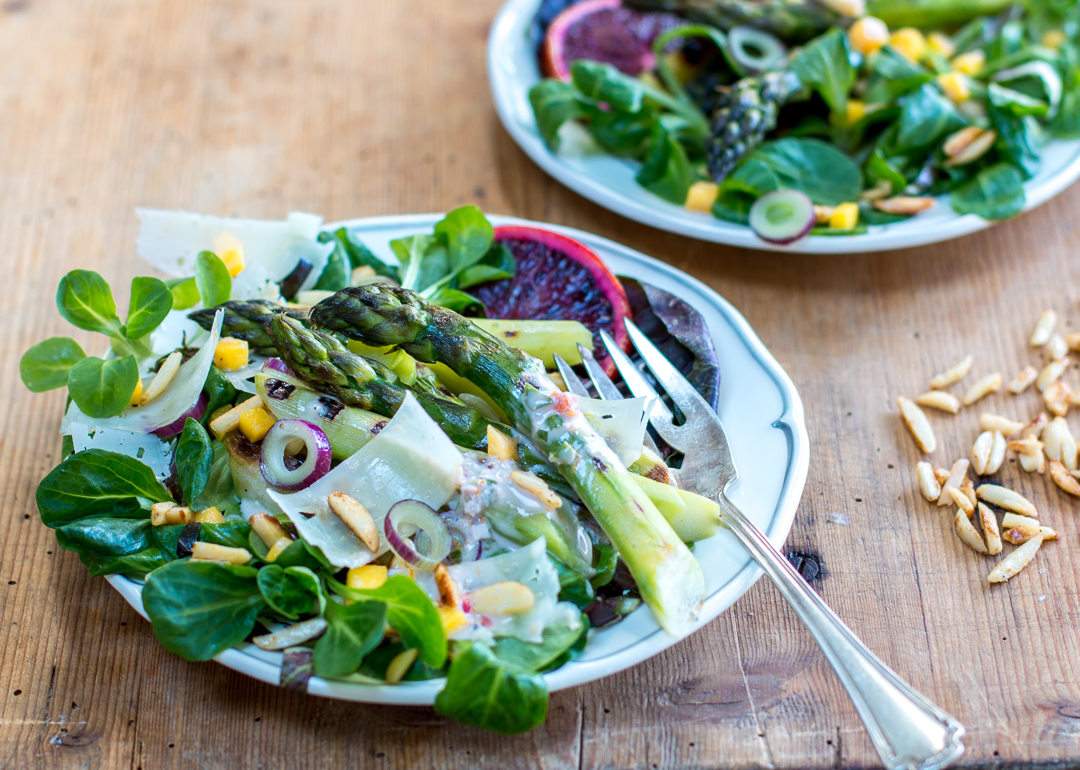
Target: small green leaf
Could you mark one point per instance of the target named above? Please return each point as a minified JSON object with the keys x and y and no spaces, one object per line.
{"x":605,"y":84}
{"x":666,"y":170}
{"x":467,"y":235}
{"x":290,"y":592}
{"x":995,"y":193}
{"x":213,"y":279}
{"x":46,"y":366}
{"x":337,"y":273}
{"x":151,"y":301}
{"x":103,"y":388}
{"x":352,"y":632}
{"x":825,"y":65}
{"x":193,"y":459}
{"x":481,"y":274}
{"x":85,"y":300}
{"x":184,"y":291}
{"x":554,"y":103}
{"x":480,"y":692}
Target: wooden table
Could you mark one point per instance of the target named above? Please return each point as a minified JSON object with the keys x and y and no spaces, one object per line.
{"x":364,"y":108}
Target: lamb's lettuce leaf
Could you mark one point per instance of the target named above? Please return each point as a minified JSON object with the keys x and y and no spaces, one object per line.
{"x":353,"y":630}
{"x":480,"y":691}
{"x":824,"y":65}
{"x":996,"y":193}
{"x":46,"y":365}
{"x":96,"y":481}
{"x":824,"y":173}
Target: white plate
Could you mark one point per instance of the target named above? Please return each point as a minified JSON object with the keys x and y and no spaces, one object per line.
{"x":762,"y":414}
{"x":609,"y":181}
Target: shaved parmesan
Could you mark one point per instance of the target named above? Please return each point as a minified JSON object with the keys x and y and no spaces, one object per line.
{"x":410,"y":459}
{"x":171,"y":240}
{"x":621,"y":423}
{"x":179,"y":397}
{"x":145,"y":447}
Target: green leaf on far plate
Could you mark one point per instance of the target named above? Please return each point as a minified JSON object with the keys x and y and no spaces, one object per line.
{"x":46,"y":366}
{"x":995,"y":193}
{"x":103,"y":388}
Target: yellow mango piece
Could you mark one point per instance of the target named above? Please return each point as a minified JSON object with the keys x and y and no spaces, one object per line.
{"x":1053,"y":39}
{"x":868,"y":34}
{"x":136,"y":397}
{"x":845,"y":216}
{"x":368,"y":576}
{"x":701,"y":196}
{"x":231,"y":354}
{"x":452,"y":619}
{"x":909,"y":43}
{"x":209,"y":515}
{"x":279,"y":546}
{"x":970,"y":63}
{"x":955,"y":85}
{"x":254,"y":423}
{"x":941,"y":44}
{"x":231,"y":252}
{"x":856,"y":111}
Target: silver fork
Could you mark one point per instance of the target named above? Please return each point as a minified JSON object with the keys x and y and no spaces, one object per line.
{"x":907,"y":729}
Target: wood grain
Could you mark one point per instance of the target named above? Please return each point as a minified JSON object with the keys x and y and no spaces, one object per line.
{"x":257,"y":108}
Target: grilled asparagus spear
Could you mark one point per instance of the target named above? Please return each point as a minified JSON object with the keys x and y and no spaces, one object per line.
{"x":668,"y":576}
{"x":247,"y":320}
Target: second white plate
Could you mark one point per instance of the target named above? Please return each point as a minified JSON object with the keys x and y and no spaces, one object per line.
{"x":609,"y":181}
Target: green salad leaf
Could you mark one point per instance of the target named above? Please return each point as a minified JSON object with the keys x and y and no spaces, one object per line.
{"x":219,"y":392}
{"x":554,"y":103}
{"x":46,"y":365}
{"x":103,"y":388}
{"x":996,"y":193}
{"x":481,"y":692}
{"x":352,"y":631}
{"x":184,"y":291}
{"x":824,"y":65}
{"x":603,"y":83}
{"x":926,"y":117}
{"x":666,"y":170}
{"x":357,"y":254}
{"x":85,"y":300}
{"x":97,"y":481}
{"x":212,"y":279}
{"x":519,"y":657}
{"x":151,"y":301}
{"x":194,"y":458}
{"x":132,"y":564}
{"x":106,"y":535}
{"x":824,"y":173}
{"x":199,"y":609}
{"x":290,"y":592}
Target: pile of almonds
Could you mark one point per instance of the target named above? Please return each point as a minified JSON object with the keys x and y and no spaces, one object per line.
{"x":1040,"y":443}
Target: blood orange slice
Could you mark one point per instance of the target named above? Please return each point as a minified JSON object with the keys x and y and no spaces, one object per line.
{"x":603,"y":30}
{"x":558,"y":278}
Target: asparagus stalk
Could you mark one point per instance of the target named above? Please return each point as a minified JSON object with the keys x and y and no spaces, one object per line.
{"x":247,"y":320}
{"x":793,"y":20}
{"x":668,"y":576}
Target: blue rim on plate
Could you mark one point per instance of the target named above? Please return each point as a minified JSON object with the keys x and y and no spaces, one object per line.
{"x":763,"y":416}
{"x":609,"y":181}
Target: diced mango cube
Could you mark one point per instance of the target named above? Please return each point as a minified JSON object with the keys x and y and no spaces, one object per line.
{"x":210,"y":515}
{"x":452,"y":619}
{"x":701,"y":196}
{"x":909,"y":43}
{"x":868,"y":34}
{"x":1054,"y":38}
{"x":970,"y":63}
{"x":955,"y":85}
{"x":136,"y":397}
{"x":845,"y":216}
{"x":942,"y":44}
{"x":254,"y":423}
{"x":856,"y":111}
{"x":231,"y":252}
{"x":279,"y":546}
{"x":368,"y":576}
{"x":231,"y":354}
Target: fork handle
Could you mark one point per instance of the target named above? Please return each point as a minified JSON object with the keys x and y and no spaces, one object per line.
{"x":907,"y":729}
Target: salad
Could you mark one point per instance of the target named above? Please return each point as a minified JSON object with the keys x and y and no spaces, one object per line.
{"x":295,"y":444}
{"x":814,"y":116}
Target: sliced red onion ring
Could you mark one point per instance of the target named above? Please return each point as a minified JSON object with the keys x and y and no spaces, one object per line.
{"x":404,"y":520}
{"x":177,"y":427}
{"x":277,"y":365}
{"x":275,"y":446}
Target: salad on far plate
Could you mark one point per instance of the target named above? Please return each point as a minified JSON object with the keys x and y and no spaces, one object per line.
{"x":366,"y":467}
{"x":814,"y":117}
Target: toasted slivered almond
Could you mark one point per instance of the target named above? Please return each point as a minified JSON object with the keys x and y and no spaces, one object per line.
{"x":179,"y":514}
{"x":956,"y":475}
{"x":990,"y":530}
{"x":1044,"y":327}
{"x":1003,"y":425}
{"x":290,"y":636}
{"x":915,"y":420}
{"x":997,"y":454}
{"x":231,"y":419}
{"x":501,"y":446}
{"x":958,"y":141}
{"x":1051,"y":373}
{"x":942,"y":475}
{"x":940,"y":400}
{"x":1065,"y":481}
{"x":1016,"y":520}
{"x":928,"y":483}
{"x":506,"y":598}
{"x":158,"y":513}
{"x":1048,"y":534}
{"x":1034,"y":428}
{"x":906,"y":205}
{"x":969,"y":492}
{"x":883,"y":189}
{"x":165,"y":373}
{"x":267,"y":528}
{"x":401,"y":664}
{"x":1033,"y":463}
{"x":1056,"y":398}
{"x":967,"y":533}
{"x":203,"y":551}
{"x":1015,"y":561}
{"x":1025,"y":446}
{"x":356,"y":517}
{"x":982,"y":388}
{"x":953,"y":374}
{"x":1020,"y":533}
{"x":449,"y":594}
{"x":1073,"y":399}
{"x":537,"y":487}
{"x":1072,"y":339}
{"x":1023,"y":380}
{"x":1058,"y":443}
{"x":974,"y":150}
{"x":960,"y":500}
{"x":1006,"y":498}
{"x":1057,"y":348}
{"x":822,"y":214}
{"x":980,"y":452}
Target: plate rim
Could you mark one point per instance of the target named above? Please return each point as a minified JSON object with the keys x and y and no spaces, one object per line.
{"x":880,"y":238}
{"x":250,"y":660}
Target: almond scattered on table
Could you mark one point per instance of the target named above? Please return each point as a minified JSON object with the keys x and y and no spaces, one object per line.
{"x":982,"y":388}
{"x":953,"y":374}
{"x":1022,"y":381}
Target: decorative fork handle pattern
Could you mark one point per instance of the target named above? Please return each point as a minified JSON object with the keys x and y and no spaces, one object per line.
{"x":909,"y":732}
